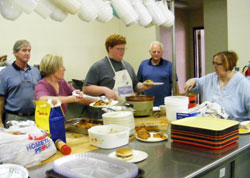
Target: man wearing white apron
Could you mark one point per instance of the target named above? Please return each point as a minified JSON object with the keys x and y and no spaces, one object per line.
{"x":111,"y":76}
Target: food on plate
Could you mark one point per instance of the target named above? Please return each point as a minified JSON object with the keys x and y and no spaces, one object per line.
{"x":124,"y":154}
{"x":83,"y":123}
{"x":164,"y":122}
{"x":148,"y":81}
{"x":159,"y":135}
{"x":242,"y":130}
{"x":143,"y":134}
{"x":102,"y":103}
{"x":248,"y":125}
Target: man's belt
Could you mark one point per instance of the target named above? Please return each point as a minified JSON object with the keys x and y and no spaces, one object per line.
{"x":20,"y":114}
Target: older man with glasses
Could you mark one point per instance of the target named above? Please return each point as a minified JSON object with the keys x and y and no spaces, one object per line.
{"x":157,"y":69}
{"x":17,"y":83}
{"x":112,"y":76}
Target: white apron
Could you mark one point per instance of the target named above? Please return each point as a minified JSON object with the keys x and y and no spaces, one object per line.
{"x":123,"y":84}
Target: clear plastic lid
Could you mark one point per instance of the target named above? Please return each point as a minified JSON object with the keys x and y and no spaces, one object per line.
{"x":93,"y":165}
{"x":13,"y":171}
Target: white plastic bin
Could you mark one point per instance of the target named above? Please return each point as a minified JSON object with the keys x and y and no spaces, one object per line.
{"x":175,"y":104}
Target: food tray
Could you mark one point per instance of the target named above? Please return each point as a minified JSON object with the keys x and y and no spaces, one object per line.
{"x":52,"y":174}
{"x":202,"y":143}
{"x":83,"y":125}
{"x":155,"y":125}
{"x":205,"y":125}
{"x":203,"y":136}
{"x":93,"y":165}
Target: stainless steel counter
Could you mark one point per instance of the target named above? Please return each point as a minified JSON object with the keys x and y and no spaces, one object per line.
{"x":167,"y":159}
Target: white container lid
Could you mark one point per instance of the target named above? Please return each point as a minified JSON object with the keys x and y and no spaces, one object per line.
{"x":175,"y":100}
{"x":92,"y":165}
{"x":13,"y":171}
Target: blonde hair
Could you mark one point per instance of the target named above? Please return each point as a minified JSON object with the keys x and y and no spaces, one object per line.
{"x":50,"y":64}
{"x":229,"y":59}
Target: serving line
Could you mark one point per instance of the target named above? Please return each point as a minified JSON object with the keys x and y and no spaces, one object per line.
{"x":165,"y":159}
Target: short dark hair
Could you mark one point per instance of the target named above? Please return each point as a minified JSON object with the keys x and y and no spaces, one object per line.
{"x":113,"y":40}
{"x":229,"y":59}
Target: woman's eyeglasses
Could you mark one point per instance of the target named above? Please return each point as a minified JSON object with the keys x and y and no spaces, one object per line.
{"x":217,"y":64}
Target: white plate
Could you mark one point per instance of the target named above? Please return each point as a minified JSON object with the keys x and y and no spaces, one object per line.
{"x":137,"y":156}
{"x":154,"y":84}
{"x":245,"y":123}
{"x":152,"y":138}
{"x":13,"y":171}
{"x":113,"y":102}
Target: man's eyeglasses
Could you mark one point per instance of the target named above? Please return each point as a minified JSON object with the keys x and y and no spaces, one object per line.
{"x":121,"y":49}
{"x":217,"y":64}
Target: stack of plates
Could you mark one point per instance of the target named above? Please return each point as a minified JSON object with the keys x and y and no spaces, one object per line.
{"x":122,"y":118}
{"x":205,"y":132}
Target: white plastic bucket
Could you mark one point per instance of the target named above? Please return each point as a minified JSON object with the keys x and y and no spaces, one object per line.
{"x":175,"y":104}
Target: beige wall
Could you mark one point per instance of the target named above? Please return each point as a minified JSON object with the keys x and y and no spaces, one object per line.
{"x":216,"y":32}
{"x":80,"y":43}
{"x":227,"y":24}
{"x":239,"y":29}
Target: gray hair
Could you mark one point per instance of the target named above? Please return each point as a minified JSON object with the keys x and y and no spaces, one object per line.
{"x":19,"y":44}
{"x":157,"y":43}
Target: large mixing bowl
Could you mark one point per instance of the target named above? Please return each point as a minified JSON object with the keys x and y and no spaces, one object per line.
{"x":142,"y":104}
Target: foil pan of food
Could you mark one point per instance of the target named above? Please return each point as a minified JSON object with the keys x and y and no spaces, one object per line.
{"x":81,"y":125}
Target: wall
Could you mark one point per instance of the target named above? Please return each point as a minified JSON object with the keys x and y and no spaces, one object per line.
{"x":182,"y":50}
{"x":80,"y":43}
{"x":216,"y":30}
{"x":239,"y":29}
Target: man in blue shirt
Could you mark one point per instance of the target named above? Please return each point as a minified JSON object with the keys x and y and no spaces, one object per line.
{"x":157,"y":69}
{"x":17,"y":83}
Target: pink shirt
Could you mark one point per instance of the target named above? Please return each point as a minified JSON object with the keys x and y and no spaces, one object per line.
{"x":43,"y":88}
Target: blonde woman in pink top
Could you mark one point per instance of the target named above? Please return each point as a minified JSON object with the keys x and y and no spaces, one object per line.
{"x":53,"y":83}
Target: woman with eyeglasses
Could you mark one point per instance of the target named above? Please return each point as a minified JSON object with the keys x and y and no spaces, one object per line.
{"x":229,"y":89}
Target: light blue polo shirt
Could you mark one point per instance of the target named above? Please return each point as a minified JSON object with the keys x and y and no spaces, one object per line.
{"x":234,"y":98}
{"x":17,"y":86}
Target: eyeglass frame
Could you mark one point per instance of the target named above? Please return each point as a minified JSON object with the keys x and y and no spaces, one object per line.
{"x":217,"y":64}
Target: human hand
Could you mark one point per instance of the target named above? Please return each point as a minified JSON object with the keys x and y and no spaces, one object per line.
{"x":110,"y":94}
{"x":1,"y":125}
{"x":189,"y":85}
{"x":147,"y":87}
{"x":77,"y":93}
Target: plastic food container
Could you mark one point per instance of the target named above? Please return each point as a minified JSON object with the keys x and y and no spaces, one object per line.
{"x":109,"y":136}
{"x":13,"y":170}
{"x":93,"y":165}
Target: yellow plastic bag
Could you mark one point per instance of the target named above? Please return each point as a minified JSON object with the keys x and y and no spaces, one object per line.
{"x":42,"y":114}
{"x":49,"y":116}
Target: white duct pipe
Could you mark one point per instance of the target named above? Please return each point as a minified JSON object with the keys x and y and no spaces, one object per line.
{"x":69,"y":6}
{"x":144,"y":17}
{"x":105,"y":11}
{"x":125,"y":11}
{"x":88,"y":11}
{"x":26,"y":5}
{"x":58,"y":15}
{"x":44,"y":8}
{"x":155,"y":11}
{"x":169,"y":14}
{"x":8,"y":11}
